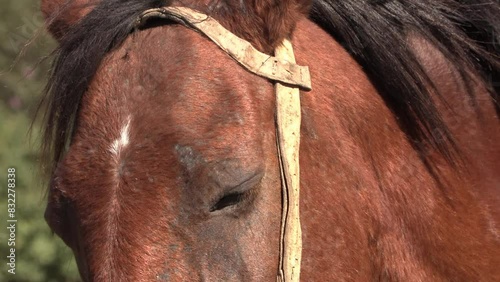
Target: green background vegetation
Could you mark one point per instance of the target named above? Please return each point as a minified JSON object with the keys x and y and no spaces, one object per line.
{"x":40,"y":255}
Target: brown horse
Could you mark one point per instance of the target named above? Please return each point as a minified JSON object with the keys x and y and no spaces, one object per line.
{"x":163,"y":156}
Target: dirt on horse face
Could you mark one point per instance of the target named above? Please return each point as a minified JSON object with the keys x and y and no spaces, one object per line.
{"x":171,"y":171}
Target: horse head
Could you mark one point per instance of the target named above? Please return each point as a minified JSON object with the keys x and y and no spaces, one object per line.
{"x":188,"y":127}
{"x":164,"y":155}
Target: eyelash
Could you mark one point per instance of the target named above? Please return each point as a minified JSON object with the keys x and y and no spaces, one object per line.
{"x":228,"y":200}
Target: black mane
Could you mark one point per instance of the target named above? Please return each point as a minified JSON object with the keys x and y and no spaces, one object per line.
{"x":373,"y":31}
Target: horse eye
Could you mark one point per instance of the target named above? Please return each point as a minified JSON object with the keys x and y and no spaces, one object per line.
{"x":228,"y":200}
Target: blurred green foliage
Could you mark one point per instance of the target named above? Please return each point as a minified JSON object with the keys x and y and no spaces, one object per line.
{"x":40,"y":255}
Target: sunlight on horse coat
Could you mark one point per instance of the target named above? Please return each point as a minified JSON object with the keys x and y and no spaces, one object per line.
{"x":399,"y":152}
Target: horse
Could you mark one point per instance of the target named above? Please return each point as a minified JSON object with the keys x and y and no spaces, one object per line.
{"x":162,"y":151}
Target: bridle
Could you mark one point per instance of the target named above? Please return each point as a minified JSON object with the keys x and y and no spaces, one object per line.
{"x":288,"y":78}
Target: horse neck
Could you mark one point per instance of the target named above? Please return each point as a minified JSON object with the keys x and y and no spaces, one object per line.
{"x":360,"y":171}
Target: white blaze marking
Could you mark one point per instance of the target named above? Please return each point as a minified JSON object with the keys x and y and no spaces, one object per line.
{"x":122,"y":141}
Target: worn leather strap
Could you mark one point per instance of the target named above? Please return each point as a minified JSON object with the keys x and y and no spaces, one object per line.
{"x":240,"y":50}
{"x":288,"y":119}
{"x":288,"y":77}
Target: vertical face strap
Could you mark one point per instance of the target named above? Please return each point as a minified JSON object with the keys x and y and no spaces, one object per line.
{"x":288,"y":119}
{"x":289,"y":77}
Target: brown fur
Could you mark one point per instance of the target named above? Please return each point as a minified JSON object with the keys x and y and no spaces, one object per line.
{"x":371,"y":210}
{"x":388,"y":218}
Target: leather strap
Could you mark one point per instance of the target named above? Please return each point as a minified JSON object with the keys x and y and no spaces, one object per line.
{"x":240,"y":50}
{"x":288,"y":120}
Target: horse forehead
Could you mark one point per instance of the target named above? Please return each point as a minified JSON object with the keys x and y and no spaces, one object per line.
{"x":204,"y":93}
{"x":190,"y":70}
{"x":183,"y":49}
{"x":172,"y":70}
{"x":175,"y":87}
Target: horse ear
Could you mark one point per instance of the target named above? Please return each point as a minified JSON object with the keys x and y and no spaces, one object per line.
{"x":60,"y":15}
